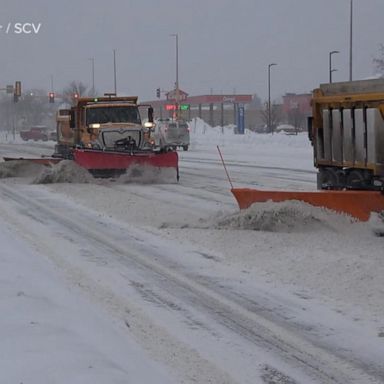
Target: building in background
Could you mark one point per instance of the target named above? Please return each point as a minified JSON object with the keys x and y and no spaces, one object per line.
{"x":224,"y":109}
{"x":214,"y":109}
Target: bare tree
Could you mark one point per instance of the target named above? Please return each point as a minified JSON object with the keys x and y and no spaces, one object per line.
{"x":32,"y":108}
{"x":296,"y":118}
{"x":275,"y":116}
{"x":74,"y":90}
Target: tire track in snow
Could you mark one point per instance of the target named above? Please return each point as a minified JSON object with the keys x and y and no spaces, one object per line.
{"x":322,"y":365}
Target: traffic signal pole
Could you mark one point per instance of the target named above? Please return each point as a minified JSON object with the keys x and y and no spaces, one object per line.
{"x":17,"y":91}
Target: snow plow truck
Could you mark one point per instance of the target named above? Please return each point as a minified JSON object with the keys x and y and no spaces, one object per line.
{"x":346,"y":130}
{"x":106,"y":135}
{"x":347,"y":134}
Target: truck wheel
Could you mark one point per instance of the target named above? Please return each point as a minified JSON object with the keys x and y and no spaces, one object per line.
{"x":185,"y":147}
{"x":341,"y":179}
{"x":326,"y":179}
{"x":356,"y":180}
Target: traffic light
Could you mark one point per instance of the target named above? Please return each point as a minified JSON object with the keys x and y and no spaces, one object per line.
{"x":18,"y":88}
{"x":51,"y":97}
{"x":17,"y":91}
{"x":158,"y":93}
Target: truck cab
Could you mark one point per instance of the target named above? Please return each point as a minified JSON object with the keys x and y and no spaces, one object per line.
{"x":108,"y":122}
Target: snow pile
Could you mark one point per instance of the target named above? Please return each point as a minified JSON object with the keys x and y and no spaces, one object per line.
{"x":256,"y":148}
{"x":376,"y":223}
{"x":19,"y":168}
{"x":147,"y":174}
{"x":202,"y":133}
{"x":66,"y":171}
{"x":287,"y":216}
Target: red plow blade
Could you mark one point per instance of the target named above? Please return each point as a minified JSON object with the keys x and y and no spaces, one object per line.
{"x":358,"y":204}
{"x":99,"y":161}
{"x":36,"y":160}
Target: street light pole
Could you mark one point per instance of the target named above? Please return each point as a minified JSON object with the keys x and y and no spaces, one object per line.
{"x":114,"y":71}
{"x":350,"y":40}
{"x":330,"y":64}
{"x":92,"y":59}
{"x":177,"y":76}
{"x":333,"y":70}
{"x":269,"y":97}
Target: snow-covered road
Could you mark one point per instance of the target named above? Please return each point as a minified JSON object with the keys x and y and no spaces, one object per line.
{"x":173,"y":270}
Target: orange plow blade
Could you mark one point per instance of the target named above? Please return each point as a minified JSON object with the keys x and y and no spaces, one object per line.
{"x":358,"y":204}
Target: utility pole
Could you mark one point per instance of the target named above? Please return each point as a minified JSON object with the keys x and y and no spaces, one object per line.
{"x":350,"y":41}
{"x":269,"y":97}
{"x":177,"y":90}
{"x":330,"y":65}
{"x":114,"y":70}
{"x":92,"y":59}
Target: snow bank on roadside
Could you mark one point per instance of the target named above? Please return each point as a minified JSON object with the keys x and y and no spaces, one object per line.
{"x":202,"y":133}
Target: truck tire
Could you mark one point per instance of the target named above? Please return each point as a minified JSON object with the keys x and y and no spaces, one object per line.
{"x":185,"y":147}
{"x":326,"y":179}
{"x":357,"y":179}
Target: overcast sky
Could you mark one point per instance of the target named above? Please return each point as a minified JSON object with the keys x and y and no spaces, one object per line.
{"x":224,"y":45}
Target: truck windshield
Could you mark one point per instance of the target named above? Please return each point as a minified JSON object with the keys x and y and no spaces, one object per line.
{"x":116,"y":114}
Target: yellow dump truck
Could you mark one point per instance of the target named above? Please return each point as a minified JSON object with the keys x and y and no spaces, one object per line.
{"x":347,"y":134}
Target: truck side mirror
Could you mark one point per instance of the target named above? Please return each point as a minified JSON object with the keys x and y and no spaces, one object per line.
{"x":150,"y":114}
{"x":72,"y":119}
